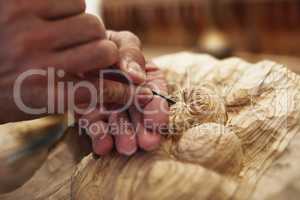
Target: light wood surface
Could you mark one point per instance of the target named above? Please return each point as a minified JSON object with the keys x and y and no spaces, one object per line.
{"x":292,"y":62}
{"x":246,"y":157}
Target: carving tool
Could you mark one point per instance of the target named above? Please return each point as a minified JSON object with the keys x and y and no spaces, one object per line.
{"x":170,"y":101}
{"x":118,"y":77}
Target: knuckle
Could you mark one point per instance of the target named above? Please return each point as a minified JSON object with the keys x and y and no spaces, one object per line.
{"x":108,"y":51}
{"x":133,"y":53}
{"x":81,"y":5}
{"x":95,"y":25}
{"x":129,"y":36}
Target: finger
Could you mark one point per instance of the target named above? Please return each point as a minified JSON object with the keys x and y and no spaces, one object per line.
{"x":52,"y":9}
{"x":147,"y":141}
{"x":151,"y":66}
{"x":120,"y":93}
{"x":72,"y":31}
{"x":102,"y":142}
{"x":132,"y":60}
{"x":123,"y":132}
{"x":156,"y":113}
{"x":81,"y":92}
{"x":94,"y":55}
{"x":37,"y":98}
{"x":94,"y":125}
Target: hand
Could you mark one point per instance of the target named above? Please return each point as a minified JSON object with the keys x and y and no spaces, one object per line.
{"x":50,"y":33}
{"x":41,"y":34}
{"x":134,"y":129}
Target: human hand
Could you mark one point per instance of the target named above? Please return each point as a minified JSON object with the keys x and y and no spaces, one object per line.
{"x":133,"y":129}
{"x":58,"y":34}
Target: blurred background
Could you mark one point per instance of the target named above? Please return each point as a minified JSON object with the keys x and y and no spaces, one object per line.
{"x":246,"y":28}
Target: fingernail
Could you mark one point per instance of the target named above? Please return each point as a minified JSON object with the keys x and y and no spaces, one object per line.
{"x":129,"y":152}
{"x":144,"y":91}
{"x":135,"y":69}
{"x":151,"y":147}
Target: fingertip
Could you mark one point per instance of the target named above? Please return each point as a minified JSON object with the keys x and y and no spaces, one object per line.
{"x":122,"y":130}
{"x":132,"y":62}
{"x":102,"y":145}
{"x":126,"y":146}
{"x":109,"y":51}
{"x":126,"y":142}
{"x":134,"y":70}
{"x":149,"y":141}
{"x":151,"y":66}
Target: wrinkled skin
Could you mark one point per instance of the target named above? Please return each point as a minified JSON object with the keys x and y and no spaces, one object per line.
{"x":144,"y":127}
{"x":41,"y":34}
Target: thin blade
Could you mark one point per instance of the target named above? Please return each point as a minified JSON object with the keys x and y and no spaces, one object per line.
{"x":170,"y":101}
